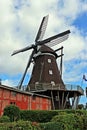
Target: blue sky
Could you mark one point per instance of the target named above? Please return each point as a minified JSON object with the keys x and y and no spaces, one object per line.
{"x":19,"y":23}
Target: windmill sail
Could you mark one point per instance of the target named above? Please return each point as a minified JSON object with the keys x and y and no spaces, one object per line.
{"x":52,"y":41}
{"x":28,"y":64}
{"x":57,"y":40}
{"x":42,"y":29}
{"x":23,"y":49}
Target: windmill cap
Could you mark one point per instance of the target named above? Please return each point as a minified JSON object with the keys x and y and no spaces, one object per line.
{"x":46,"y":49}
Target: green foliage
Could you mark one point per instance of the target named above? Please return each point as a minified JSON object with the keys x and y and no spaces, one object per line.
{"x":80,"y":106}
{"x":38,"y":116}
{"x":46,"y":120}
{"x":51,"y":126}
{"x":67,"y":121}
{"x":4,"y":119}
{"x":72,"y":121}
{"x":83,"y":117}
{"x":12,"y":112}
{"x":19,"y":125}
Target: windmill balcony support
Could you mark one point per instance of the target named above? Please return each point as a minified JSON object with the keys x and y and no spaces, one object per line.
{"x":75,"y":101}
{"x":60,"y":98}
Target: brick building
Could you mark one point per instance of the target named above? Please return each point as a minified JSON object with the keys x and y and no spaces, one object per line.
{"x":24,"y":100}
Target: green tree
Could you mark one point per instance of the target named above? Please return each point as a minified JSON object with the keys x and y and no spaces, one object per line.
{"x":13,"y":112}
{"x":80,"y":106}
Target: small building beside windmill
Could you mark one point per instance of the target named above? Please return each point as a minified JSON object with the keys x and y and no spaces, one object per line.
{"x":24,"y":100}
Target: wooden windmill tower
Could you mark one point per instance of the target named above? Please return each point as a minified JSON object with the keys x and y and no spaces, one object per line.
{"x":45,"y":71}
{"x":46,"y":77}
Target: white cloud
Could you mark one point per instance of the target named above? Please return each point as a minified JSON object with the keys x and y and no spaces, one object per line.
{"x":19,"y":23}
{"x":76,"y":43}
{"x":70,"y":9}
{"x":9,"y":83}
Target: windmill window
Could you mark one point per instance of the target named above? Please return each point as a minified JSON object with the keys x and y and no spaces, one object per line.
{"x":53,"y":83}
{"x":49,"y":60}
{"x":50,"y":72}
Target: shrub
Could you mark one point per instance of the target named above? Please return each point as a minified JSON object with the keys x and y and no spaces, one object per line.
{"x":46,"y":116}
{"x":67,"y":121}
{"x":37,"y":115}
{"x":19,"y":125}
{"x":80,"y":106}
{"x":12,"y":112}
{"x":4,"y":119}
{"x":77,"y":121}
{"x":51,"y":126}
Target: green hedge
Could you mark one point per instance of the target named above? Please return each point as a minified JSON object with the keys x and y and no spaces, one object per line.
{"x":66,"y":122}
{"x":38,"y":116}
{"x":48,"y":120}
{"x":58,"y":120}
{"x":19,"y":125}
{"x":4,"y":119}
{"x":46,"y":116}
{"x":51,"y":126}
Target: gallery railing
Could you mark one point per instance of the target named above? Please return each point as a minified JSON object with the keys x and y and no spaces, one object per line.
{"x":48,"y":86}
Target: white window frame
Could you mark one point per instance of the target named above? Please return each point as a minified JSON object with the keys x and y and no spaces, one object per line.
{"x":49,"y":60}
{"x":53,"y":83}
{"x":50,"y":72}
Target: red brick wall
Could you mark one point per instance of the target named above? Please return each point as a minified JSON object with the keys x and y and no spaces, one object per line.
{"x":23,"y":101}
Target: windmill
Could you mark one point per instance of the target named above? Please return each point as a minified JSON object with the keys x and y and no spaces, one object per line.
{"x":40,"y":43}
{"x":46,"y":78}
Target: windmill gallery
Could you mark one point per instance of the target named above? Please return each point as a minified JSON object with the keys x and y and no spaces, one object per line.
{"x":45,"y":89}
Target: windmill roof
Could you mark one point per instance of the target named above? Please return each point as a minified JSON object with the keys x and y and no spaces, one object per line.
{"x":46,"y":49}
